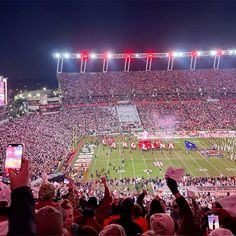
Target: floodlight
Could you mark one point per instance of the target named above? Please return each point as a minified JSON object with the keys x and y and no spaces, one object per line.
{"x":128,"y":55}
{"x":149,"y":55}
{"x":137,"y":55}
{"x":199,"y":53}
{"x":29,"y":95}
{"x":234,"y":51}
{"x":180,"y":54}
{"x":38,"y":94}
{"x":57,"y":55}
{"x":174,"y":54}
{"x":78,"y":55}
{"x":109,"y":55}
{"x":44,"y":88}
{"x":93,"y":55}
{"x":213,"y":52}
{"x":66,"y":55}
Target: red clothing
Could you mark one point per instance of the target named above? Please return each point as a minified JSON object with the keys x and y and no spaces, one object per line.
{"x":142,"y":222}
{"x":110,"y":219}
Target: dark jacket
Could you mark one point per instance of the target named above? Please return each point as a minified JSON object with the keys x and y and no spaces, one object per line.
{"x":22,"y":212}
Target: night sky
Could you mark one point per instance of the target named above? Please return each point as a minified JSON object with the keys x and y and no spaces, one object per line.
{"x":30,"y":31}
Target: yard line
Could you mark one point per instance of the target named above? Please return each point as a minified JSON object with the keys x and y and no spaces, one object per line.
{"x":94,"y":164}
{"x":182,"y":161}
{"x":182,"y":146}
{"x":120,"y":156}
{"x":132,"y":159}
{"x":158,"y":160}
{"x":145,"y":164}
{"x":221,"y":161}
{"x":168,"y":158}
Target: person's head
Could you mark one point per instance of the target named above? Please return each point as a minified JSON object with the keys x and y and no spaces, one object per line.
{"x":87,"y":230}
{"x":162,"y":224}
{"x":221,"y":232}
{"x":46,"y":192}
{"x":49,"y":221}
{"x":137,"y":211}
{"x":69,"y":218}
{"x":114,"y":230}
{"x":126,"y":208}
{"x":156,"y":206}
{"x":115,"y":207}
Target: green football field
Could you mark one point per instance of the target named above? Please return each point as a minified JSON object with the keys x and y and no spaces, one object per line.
{"x":122,"y":163}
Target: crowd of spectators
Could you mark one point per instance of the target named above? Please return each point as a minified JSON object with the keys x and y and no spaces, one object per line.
{"x":188,"y":115}
{"x":75,"y":212}
{"x":47,"y":137}
{"x":162,"y":85}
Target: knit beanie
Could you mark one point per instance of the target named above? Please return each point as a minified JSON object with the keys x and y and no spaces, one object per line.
{"x":114,"y":230}
{"x":221,"y":232}
{"x":162,"y":224}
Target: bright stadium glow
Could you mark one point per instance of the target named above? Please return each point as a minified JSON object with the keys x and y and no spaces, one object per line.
{"x":78,"y":55}
{"x":57,"y":55}
{"x":109,"y":55}
{"x":137,"y":55}
{"x":180,"y":54}
{"x":213,"y":52}
{"x":174,"y":54}
{"x":199,"y":53}
{"x":234,"y":51}
{"x":149,"y":55}
{"x":44,"y":88}
{"x":93,"y":55}
{"x":66,"y":55}
{"x":128,"y":55}
{"x":38,"y":94}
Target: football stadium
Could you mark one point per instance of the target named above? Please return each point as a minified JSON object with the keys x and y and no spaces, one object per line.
{"x":128,"y":142}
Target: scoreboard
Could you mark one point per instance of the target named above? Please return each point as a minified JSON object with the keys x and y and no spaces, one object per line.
{"x":3,"y":91}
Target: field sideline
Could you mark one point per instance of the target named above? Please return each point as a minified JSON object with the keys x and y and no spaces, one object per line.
{"x":137,"y":162}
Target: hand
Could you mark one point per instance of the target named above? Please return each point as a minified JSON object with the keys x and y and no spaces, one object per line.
{"x":145,"y":192}
{"x":103,"y":179}
{"x":21,"y":179}
{"x":171,"y":183}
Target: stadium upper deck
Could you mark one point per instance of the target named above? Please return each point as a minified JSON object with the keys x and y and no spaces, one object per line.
{"x":160,"y":85}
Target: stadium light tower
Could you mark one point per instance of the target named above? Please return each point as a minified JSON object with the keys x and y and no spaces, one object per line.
{"x":84,"y":58}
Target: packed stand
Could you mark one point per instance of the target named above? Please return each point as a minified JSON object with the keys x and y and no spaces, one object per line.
{"x":162,"y":85}
{"x":73,"y":213}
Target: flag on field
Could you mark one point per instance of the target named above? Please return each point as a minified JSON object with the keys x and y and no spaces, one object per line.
{"x":124,"y":145}
{"x":158,"y":163}
{"x":144,"y":146}
{"x":171,"y":145}
{"x":190,"y":145}
{"x":132,"y":145}
{"x":113,"y":145}
{"x":162,"y":145}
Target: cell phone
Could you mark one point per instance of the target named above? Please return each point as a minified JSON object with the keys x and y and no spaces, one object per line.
{"x":13,"y":160}
{"x":66,"y":181}
{"x":213,"y":221}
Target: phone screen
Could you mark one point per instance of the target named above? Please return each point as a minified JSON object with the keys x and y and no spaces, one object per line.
{"x":13,"y":160}
{"x":213,"y":221}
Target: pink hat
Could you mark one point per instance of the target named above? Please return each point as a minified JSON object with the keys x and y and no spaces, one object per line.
{"x":221,"y":232}
{"x":162,"y":224}
{"x":114,"y":230}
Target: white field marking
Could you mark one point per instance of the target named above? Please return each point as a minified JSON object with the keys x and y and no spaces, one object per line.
{"x":211,"y":164}
{"x":132,"y":159}
{"x":219,"y":159}
{"x":145,"y":164}
{"x":200,"y":167}
{"x":120,"y":155}
{"x":183,"y":162}
{"x":94,"y":164}
{"x":155,"y":156}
